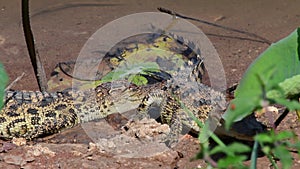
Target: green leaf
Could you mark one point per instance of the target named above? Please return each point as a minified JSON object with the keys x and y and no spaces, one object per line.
{"x":231,"y":149}
{"x":284,"y":135}
{"x":132,"y":71}
{"x":278,"y":63}
{"x":3,"y":83}
{"x":237,"y":106}
{"x":217,"y":149}
{"x":264,"y":138}
{"x":266,"y":150}
{"x":238,"y":148}
{"x":296,"y":146}
{"x":290,"y":86}
{"x":138,"y":80}
{"x":291,"y":105}
{"x":232,"y":161}
{"x":284,"y":155}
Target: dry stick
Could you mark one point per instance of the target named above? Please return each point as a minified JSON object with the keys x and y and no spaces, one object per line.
{"x":280,"y":118}
{"x":14,"y":82}
{"x":164,"y":10}
{"x":39,"y":71}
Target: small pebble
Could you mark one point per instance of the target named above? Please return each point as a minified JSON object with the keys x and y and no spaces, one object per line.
{"x":19,"y":141}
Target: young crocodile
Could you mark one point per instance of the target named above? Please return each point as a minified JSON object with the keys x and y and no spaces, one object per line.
{"x":33,"y":114}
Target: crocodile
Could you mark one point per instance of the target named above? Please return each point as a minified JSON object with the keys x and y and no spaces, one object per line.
{"x":29,"y":114}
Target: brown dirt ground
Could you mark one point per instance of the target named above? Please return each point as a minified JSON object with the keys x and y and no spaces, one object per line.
{"x":62,"y":28}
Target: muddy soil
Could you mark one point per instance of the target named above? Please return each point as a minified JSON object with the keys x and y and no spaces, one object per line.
{"x":62,"y":28}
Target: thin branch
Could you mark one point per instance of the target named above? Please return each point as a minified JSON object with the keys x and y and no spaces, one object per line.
{"x":280,"y":118}
{"x":14,"y":82}
{"x":34,"y":57}
{"x":164,"y":10}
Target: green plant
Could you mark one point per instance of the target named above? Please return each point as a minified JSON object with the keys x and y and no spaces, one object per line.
{"x":278,"y":145}
{"x":134,"y":73}
{"x":269,"y":80}
{"x":233,"y":151}
{"x":3,"y":83}
{"x":273,"y":78}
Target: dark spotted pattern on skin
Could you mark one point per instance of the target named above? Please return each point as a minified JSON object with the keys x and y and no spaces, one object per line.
{"x":31,"y":114}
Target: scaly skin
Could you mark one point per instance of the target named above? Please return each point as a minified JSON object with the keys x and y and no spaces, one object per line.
{"x":33,"y":114}
{"x":180,"y":96}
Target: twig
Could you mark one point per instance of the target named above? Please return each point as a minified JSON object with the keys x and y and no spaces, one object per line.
{"x":280,"y":118}
{"x":34,"y":57}
{"x":14,"y":82}
{"x":164,"y":10}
